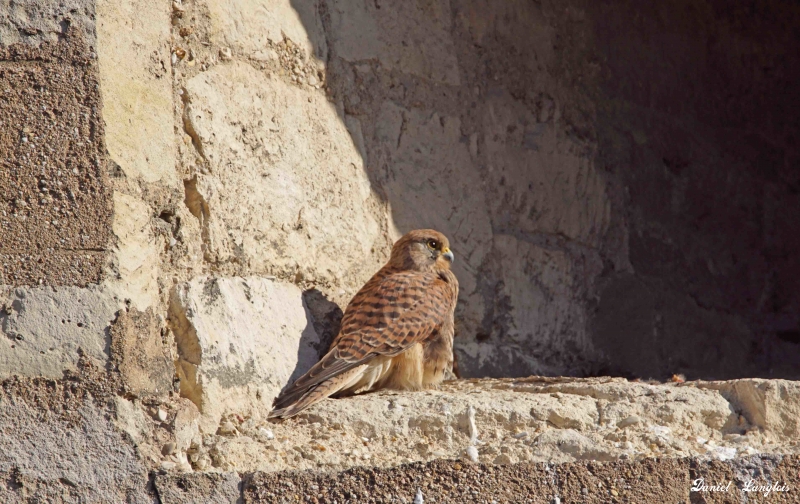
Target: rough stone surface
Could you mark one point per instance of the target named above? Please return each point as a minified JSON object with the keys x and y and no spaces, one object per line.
{"x":84,"y":457}
{"x":768,"y":404}
{"x":136,"y":265}
{"x":507,"y":421}
{"x":37,"y":21}
{"x":239,"y":341}
{"x":213,"y":488}
{"x":46,"y":330}
{"x":248,"y":26}
{"x":54,"y":202}
{"x":651,"y":480}
{"x":134,"y":55}
{"x":273,"y":202}
{"x":285,"y":192}
{"x":142,"y":353}
{"x":413,"y":38}
{"x":59,"y":445}
{"x":763,"y":479}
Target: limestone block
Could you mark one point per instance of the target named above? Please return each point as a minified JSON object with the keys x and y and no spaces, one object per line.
{"x":367,"y":30}
{"x":772,"y":405}
{"x":75,"y":455}
{"x":136,"y":252}
{"x":133,"y":48}
{"x":140,"y":354}
{"x":540,"y":182}
{"x":239,"y":340}
{"x":247,"y":26}
{"x":537,"y":419}
{"x":286,"y":192}
{"x":47,"y":328}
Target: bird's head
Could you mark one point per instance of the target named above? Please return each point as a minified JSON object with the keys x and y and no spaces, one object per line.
{"x":422,"y":250}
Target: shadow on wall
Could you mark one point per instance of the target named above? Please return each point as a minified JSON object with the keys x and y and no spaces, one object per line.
{"x":619,"y":182}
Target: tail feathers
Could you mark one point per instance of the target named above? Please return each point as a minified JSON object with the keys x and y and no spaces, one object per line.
{"x":298,"y":400}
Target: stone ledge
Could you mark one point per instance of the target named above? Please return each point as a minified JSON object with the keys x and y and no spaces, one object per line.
{"x":505,"y":421}
{"x":246,"y":461}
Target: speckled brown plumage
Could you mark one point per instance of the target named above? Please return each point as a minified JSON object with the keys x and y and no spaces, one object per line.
{"x":397,"y":332}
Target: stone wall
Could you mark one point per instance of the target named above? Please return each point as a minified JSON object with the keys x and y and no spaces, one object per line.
{"x":190,"y":193}
{"x":693,"y":129}
{"x":518,"y":130}
{"x":615,"y":207}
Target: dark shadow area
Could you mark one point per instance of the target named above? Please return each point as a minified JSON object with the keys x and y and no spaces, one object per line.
{"x":324,"y":319}
{"x":620,"y":181}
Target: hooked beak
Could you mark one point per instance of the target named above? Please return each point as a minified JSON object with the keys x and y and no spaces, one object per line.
{"x":447,"y":254}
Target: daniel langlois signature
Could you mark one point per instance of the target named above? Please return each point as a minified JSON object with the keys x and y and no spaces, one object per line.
{"x":751,"y":485}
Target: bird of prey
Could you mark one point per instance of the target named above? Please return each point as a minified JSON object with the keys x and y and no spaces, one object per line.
{"x":397,"y":332}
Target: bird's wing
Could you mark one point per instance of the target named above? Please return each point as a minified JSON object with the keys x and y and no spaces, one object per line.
{"x":385,"y":318}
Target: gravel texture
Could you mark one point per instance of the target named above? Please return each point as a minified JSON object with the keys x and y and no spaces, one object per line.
{"x":654,"y":480}
{"x":55,"y":204}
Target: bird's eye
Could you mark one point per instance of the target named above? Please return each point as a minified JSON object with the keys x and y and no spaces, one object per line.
{"x":433,"y":244}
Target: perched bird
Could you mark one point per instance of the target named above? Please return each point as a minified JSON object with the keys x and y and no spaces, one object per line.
{"x":397,"y":332}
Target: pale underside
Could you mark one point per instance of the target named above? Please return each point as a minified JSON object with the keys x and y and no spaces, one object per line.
{"x":407,"y":371}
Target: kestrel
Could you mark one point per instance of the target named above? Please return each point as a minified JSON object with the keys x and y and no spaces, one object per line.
{"x":397,"y":332}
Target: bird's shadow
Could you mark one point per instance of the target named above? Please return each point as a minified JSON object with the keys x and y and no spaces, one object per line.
{"x":323,"y":320}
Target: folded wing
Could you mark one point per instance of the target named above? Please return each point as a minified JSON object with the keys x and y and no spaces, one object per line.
{"x":385,"y":318}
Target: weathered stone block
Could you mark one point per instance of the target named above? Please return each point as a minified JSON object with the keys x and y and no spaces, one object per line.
{"x":767,"y":404}
{"x":47,"y":329}
{"x":286,"y":192}
{"x":240,"y":340}
{"x":134,"y":70}
{"x":60,"y":445}
{"x":37,"y":21}
{"x":140,"y":354}
{"x":412,"y":37}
